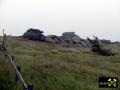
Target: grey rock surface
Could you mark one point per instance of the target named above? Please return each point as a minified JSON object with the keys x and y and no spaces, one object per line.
{"x":66,"y":39}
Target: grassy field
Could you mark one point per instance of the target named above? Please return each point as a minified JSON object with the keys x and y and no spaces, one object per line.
{"x":53,"y":67}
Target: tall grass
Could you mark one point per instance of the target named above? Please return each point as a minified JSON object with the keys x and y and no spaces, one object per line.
{"x":53,"y":67}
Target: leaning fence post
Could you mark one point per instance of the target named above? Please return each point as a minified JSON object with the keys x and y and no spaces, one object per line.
{"x":19,"y":69}
{"x":16,"y":68}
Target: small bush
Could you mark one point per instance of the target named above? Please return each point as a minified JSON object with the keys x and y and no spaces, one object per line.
{"x":97,"y":47}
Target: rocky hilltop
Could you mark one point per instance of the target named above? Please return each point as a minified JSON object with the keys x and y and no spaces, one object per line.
{"x":67,"y":38}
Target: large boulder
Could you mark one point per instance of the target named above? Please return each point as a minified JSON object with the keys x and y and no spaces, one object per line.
{"x":72,"y":38}
{"x":69,"y":34}
{"x":34,"y":34}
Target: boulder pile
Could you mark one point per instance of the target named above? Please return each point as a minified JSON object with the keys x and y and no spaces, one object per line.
{"x":67,"y":38}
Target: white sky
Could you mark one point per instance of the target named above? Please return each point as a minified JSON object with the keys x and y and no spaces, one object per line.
{"x":85,"y":17}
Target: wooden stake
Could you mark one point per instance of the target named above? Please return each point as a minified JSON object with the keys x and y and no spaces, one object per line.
{"x":30,"y":87}
{"x":3,"y":36}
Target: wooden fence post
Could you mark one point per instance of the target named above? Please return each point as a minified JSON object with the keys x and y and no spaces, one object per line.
{"x":3,"y":37}
{"x":30,"y":87}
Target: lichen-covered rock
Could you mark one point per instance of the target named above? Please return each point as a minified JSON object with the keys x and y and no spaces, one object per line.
{"x":52,"y":39}
{"x":34,"y":34}
{"x":72,"y":38}
{"x":67,"y":38}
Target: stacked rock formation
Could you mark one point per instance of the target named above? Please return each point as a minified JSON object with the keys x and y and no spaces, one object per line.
{"x":67,"y":38}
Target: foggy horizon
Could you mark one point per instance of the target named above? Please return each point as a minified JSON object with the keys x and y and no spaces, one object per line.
{"x":84,"y":17}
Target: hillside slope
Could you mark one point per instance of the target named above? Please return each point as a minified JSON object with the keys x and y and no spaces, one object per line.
{"x":53,"y":67}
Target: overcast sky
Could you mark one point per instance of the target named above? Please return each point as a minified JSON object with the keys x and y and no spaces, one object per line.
{"x":85,"y":17}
